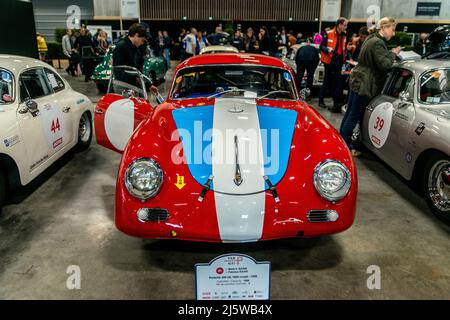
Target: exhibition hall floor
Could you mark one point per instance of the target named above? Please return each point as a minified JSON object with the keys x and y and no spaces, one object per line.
{"x":66,"y":219}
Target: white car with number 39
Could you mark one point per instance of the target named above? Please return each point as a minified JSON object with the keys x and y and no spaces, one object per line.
{"x":408,"y":127}
{"x":41,"y":118}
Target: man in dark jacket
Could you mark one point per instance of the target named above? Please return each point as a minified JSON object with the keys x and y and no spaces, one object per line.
{"x":368,"y":77}
{"x":127,"y":53}
{"x":85,"y":48}
{"x":307,"y":58}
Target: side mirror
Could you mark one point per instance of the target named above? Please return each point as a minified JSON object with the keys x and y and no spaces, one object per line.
{"x":30,"y":106}
{"x":405,"y":96}
{"x":128,"y":93}
{"x":305,"y":93}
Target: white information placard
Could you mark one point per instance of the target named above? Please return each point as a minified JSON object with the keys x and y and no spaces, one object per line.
{"x":233,"y":277}
{"x":129,"y":8}
{"x":331,"y":10}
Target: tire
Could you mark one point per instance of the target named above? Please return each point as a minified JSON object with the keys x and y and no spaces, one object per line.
{"x":2,"y":189}
{"x":85,"y":132}
{"x":436,"y":186}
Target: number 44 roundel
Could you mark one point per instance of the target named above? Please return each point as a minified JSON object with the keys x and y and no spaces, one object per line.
{"x":55,"y":125}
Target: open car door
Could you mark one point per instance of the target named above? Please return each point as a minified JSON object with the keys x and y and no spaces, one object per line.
{"x":121,"y":110}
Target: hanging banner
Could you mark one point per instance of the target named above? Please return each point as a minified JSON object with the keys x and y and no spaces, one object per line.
{"x":331,"y":10}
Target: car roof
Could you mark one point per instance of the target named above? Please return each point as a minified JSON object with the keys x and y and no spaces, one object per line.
{"x":219,"y":47}
{"x":233,"y":58}
{"x":17,"y":63}
{"x":421,"y":65}
{"x":299,"y":45}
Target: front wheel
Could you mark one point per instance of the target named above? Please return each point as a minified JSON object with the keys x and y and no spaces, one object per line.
{"x":436,"y":185}
{"x":84,"y":133}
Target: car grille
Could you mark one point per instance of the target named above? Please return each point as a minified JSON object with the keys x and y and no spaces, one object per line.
{"x":318,"y":216}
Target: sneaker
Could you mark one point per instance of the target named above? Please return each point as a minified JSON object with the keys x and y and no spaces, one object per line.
{"x":355,"y":153}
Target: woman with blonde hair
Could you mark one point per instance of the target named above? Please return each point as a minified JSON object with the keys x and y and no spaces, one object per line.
{"x":368,"y":77}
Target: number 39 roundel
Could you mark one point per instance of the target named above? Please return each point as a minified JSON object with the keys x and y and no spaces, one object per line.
{"x":380,"y":124}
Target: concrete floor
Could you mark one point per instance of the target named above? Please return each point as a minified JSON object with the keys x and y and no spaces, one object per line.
{"x":66,"y":218}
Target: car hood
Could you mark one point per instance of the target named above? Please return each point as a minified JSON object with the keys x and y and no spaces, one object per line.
{"x":240,"y":146}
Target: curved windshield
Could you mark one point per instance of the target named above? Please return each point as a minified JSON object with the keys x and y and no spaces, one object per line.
{"x":6,"y":87}
{"x":435,"y":86}
{"x":247,"y":81}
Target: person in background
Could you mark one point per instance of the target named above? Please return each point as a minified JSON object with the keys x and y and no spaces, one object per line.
{"x":182,"y":44}
{"x":102,"y":40}
{"x":190,"y":41}
{"x":264,"y":40}
{"x":75,"y":53}
{"x":307,"y":59}
{"x":333,"y":55}
{"x":368,"y":77}
{"x":42,"y":46}
{"x":201,"y":43}
{"x":85,"y":48}
{"x":284,"y":38}
{"x":274,"y":42}
{"x":217,"y":37}
{"x":95,"y":38}
{"x":250,"y":41}
{"x":354,"y":46}
{"x":299,"y":38}
{"x":317,"y":38}
{"x":126,"y":52}
{"x":159,"y":43}
{"x":238,"y":40}
{"x":421,"y":44}
{"x":291,"y":39}
{"x":69,"y":52}
{"x":167,"y":47}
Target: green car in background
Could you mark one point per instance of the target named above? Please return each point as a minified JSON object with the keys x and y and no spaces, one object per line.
{"x":154,"y":67}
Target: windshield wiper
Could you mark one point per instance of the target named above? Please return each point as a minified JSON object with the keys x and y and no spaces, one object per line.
{"x":225,"y":91}
{"x":273,"y":92}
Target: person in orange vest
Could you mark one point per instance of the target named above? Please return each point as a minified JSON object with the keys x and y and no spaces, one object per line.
{"x":333,"y":53}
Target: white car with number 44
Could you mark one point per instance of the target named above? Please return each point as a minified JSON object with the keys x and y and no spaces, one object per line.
{"x":41,"y":118}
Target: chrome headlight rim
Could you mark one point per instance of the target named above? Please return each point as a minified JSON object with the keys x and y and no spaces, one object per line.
{"x":346,"y":186}
{"x":131,"y":188}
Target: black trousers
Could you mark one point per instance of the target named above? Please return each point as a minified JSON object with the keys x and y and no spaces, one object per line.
{"x":332,"y":82}
{"x":310,"y":68}
{"x":73,"y":63}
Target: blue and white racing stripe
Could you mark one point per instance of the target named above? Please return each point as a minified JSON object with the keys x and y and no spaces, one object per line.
{"x":263,"y":135}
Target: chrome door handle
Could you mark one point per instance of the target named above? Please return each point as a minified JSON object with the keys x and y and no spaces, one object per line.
{"x":99,"y":111}
{"x":66,"y":109}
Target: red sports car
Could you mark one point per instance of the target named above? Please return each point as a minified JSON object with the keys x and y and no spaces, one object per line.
{"x":232,"y":155}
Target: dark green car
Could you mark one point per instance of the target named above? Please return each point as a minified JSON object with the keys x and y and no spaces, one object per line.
{"x":154,"y":67}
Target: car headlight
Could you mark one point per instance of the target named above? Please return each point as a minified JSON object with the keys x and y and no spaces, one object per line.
{"x":143,"y":178}
{"x":332,"y":180}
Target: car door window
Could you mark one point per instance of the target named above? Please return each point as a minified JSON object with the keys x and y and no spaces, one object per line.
{"x":33,"y":84}
{"x":54,"y":80}
{"x":399,"y":82}
{"x":6,"y":87}
{"x":435,"y":87}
